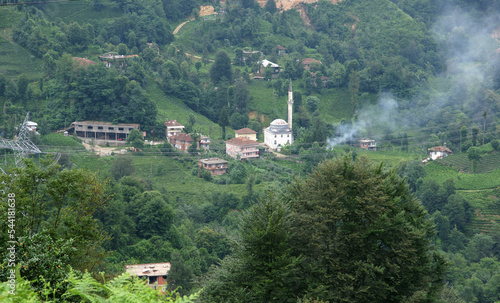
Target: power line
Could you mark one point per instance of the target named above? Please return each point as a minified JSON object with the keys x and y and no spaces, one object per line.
{"x":38,"y":2}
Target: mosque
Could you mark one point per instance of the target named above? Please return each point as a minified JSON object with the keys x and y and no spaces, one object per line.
{"x":280,"y":132}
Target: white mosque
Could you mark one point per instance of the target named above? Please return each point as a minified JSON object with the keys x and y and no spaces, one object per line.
{"x":280,"y":132}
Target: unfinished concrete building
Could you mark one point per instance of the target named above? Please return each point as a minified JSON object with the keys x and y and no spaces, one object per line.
{"x":102,"y":132}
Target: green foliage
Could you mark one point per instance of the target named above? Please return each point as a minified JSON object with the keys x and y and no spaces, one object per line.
{"x":475,"y":156}
{"x":342,"y":233}
{"x":122,"y":166}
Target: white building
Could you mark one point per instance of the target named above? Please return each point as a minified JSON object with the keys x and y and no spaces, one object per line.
{"x":438,"y":152}
{"x":280,"y":132}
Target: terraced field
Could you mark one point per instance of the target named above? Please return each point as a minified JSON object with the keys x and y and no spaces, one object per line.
{"x":489,"y":163}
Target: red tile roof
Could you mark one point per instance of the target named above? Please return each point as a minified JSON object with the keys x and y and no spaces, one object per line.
{"x":440,"y":149}
{"x":172,"y":123}
{"x":245,"y":130}
{"x":181,"y":137}
{"x":241,"y":141}
{"x":310,"y":60}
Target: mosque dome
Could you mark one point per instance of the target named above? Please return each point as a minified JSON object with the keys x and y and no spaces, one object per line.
{"x":279,"y":125}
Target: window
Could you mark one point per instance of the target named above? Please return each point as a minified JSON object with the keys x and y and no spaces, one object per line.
{"x":281,"y":136}
{"x":100,"y":127}
{"x":111,"y":128}
{"x":153,"y":280}
{"x":80,"y":125}
{"x":90,"y":127}
{"x":120,"y":128}
{"x":274,"y":141}
{"x":130,"y":129}
{"x":275,"y":136}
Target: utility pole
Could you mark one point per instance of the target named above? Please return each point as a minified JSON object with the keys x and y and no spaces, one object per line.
{"x":484,"y":124}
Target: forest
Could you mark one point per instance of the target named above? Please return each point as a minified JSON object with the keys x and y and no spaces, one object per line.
{"x":323,"y":221}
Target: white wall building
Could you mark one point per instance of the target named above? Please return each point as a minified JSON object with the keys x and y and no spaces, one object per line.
{"x":280,"y":132}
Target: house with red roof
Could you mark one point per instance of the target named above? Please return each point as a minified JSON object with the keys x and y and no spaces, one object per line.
{"x":181,"y":141}
{"x":246,"y":133}
{"x":438,"y":152}
{"x":242,"y":148}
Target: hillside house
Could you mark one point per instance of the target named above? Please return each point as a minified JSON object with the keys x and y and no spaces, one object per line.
{"x":215,"y":166}
{"x":438,"y":152}
{"x":181,"y":141}
{"x":102,"y":132}
{"x":275,"y":68}
{"x":281,"y":50}
{"x":155,"y":273}
{"x":172,"y":127}
{"x":308,"y":61}
{"x":246,"y":133}
{"x":368,"y":144}
{"x":242,"y":148}
{"x":204,"y":143}
{"x":113,"y":56}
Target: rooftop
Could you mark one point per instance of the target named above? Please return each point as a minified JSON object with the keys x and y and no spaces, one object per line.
{"x":310,"y":60}
{"x":172,"y":123}
{"x":150,"y":269}
{"x":242,"y":141}
{"x":181,"y":137}
{"x":213,"y":161}
{"x":245,"y":130}
{"x":267,"y":63}
{"x":106,"y":123}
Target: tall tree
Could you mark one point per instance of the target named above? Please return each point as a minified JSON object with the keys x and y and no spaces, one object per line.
{"x":271,"y":7}
{"x":367,"y":236}
{"x":349,"y":232}
{"x":221,"y":68}
{"x":223,"y":121}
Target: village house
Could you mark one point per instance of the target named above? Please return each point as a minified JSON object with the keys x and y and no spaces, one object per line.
{"x":438,"y":152}
{"x":215,"y":166}
{"x":246,"y":133}
{"x":281,"y":50}
{"x":155,"y":273}
{"x":368,"y":144}
{"x":264,"y":64}
{"x":242,"y":148}
{"x":113,"y":56}
{"x":172,"y":127}
{"x":181,"y":141}
{"x":102,"y":132}
{"x":308,"y":61}
{"x":204,"y":143}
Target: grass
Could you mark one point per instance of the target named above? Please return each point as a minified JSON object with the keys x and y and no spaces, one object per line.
{"x":462,"y":180}
{"x":489,"y":163}
{"x":15,"y":60}
{"x":79,"y":11}
{"x":172,"y":108}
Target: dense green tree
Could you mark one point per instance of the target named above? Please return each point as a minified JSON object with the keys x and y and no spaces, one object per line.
{"x":349,"y":232}
{"x":270,"y":7}
{"x":474,"y":155}
{"x":412,"y":172}
{"x":221,"y":68}
{"x":361,"y":228}
{"x":122,"y":166}
{"x":224,"y":121}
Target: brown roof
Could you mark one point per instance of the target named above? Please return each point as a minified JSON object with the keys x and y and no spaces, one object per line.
{"x":241,"y":141}
{"x":181,"y":137}
{"x":310,"y":60}
{"x":280,"y":47}
{"x":245,"y":130}
{"x":172,"y":123}
{"x":150,"y":269}
{"x":440,"y":149}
